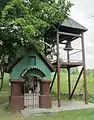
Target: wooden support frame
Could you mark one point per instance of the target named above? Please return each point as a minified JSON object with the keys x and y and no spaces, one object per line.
{"x":76,"y":84}
{"x":53,"y":80}
{"x":69,"y":80}
{"x":70,"y":34}
{"x":58,"y":71}
{"x":84,"y":70}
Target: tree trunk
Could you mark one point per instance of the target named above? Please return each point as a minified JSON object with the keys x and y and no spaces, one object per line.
{"x":2,"y":71}
{"x":1,"y":85}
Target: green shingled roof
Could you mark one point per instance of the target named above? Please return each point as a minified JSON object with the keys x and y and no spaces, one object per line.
{"x":73,"y":24}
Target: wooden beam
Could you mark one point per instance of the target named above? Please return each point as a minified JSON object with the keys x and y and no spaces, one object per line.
{"x":84,"y":70}
{"x":69,"y":81}
{"x":53,"y":80}
{"x":76,"y":84}
{"x":58,"y":71}
{"x":70,"y":34}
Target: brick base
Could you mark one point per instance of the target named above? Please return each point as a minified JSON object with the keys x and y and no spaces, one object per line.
{"x":45,"y":101}
{"x":17,"y":103}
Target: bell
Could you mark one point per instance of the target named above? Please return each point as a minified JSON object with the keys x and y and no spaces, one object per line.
{"x":68,"y":46}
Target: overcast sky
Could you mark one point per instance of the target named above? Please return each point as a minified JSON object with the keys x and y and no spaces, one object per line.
{"x":83,"y":12}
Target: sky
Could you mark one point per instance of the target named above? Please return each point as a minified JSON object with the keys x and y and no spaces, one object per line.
{"x":83,"y":12}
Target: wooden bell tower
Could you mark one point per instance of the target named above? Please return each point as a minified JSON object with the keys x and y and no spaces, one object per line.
{"x":65,"y":34}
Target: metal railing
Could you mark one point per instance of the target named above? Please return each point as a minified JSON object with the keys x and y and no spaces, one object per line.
{"x":74,"y":56}
{"x":31,"y":100}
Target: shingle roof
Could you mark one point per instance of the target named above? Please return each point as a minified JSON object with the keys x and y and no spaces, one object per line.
{"x":73,"y":24}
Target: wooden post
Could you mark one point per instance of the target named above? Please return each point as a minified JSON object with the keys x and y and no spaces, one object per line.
{"x":58,"y":70}
{"x":84,"y":70}
{"x":69,"y":81}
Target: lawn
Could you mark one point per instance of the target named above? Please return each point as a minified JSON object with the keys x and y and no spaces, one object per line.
{"x":79,"y":89}
{"x":69,"y":115}
{"x":64,"y":83}
{"x":5,"y":92}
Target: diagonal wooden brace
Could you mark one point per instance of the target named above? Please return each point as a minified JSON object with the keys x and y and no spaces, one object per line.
{"x":53,"y":80}
{"x":76,"y":84}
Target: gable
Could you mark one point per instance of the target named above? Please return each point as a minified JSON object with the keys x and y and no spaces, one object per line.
{"x":26,"y":62}
{"x":43,"y":58}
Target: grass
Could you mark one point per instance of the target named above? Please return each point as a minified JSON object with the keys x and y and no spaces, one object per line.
{"x":69,"y":115}
{"x":79,"y":89}
{"x":64,"y":83}
{"x":5,"y":92}
{"x":6,"y":86}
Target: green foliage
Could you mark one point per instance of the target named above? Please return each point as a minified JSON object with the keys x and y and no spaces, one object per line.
{"x":74,"y":71}
{"x":23,"y":24}
{"x":64,"y":70}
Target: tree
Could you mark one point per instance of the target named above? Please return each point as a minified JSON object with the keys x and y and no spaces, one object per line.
{"x":74,"y":71}
{"x":23,"y":24}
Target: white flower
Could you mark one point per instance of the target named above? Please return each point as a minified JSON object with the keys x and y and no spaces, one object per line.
{"x":14,"y":44}
{"x":1,"y":42}
{"x":2,"y":28}
{"x":26,"y":1}
{"x":15,"y":27}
